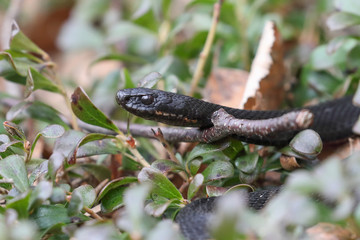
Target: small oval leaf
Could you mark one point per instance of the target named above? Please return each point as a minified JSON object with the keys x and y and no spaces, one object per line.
{"x":218,"y":170}
{"x":307,"y":143}
{"x":53,"y":131}
{"x":150,"y":80}
{"x":13,"y":167}
{"x":161,"y":185}
{"x":86,"y":111}
{"x":195,"y":185}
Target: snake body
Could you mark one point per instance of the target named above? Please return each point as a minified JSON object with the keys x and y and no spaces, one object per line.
{"x":332,"y":120}
{"x":193,"y":218}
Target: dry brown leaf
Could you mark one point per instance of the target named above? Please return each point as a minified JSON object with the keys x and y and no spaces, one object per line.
{"x":226,"y":86}
{"x":265,"y":86}
{"x":289,"y":162}
{"x":262,"y":89}
{"x":340,"y":150}
{"x":329,"y":231}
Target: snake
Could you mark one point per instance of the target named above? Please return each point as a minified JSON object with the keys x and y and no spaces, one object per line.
{"x":332,"y":120}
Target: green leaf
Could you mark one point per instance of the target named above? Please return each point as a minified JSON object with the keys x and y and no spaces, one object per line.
{"x":65,"y":144}
{"x":8,"y":58}
{"x":195,"y":185}
{"x":20,"y":204}
{"x":207,"y":150}
{"x":58,"y":195}
{"x":165,"y":165}
{"x":341,"y":20}
{"x":247,"y":163}
{"x":322,"y":59}
{"x":14,"y":68}
{"x":37,"y":167}
{"x":218,"y":170}
{"x":194,"y":166}
{"x":350,"y":6}
{"x":158,"y":206}
{"x":135,"y":220}
{"x":52,"y":131}
{"x":250,"y":166}
{"x":115,"y":184}
{"x":41,"y":193}
{"x":20,"y":42}
{"x":36,"y":110}
{"x":234,"y":148}
{"x":86,"y":139}
{"x":213,"y":191}
{"x":161,"y":185}
{"x":16,"y":143}
{"x":13,"y":167}
{"x":104,"y":146}
{"x":47,"y":216}
{"x":88,"y":194}
{"x":76,"y":204}
{"x":4,"y":138}
{"x":113,"y":199}
{"x":100,"y":172}
{"x":86,"y":111}
{"x":307,"y":143}
{"x":36,"y":80}
{"x":15,"y":131}
{"x":150,"y":80}
{"x":125,"y":75}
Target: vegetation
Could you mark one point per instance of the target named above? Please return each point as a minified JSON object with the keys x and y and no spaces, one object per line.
{"x":58,"y":180}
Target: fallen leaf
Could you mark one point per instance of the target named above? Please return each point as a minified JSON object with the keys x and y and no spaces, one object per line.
{"x":232,"y":80}
{"x":265,"y":86}
{"x":329,"y":231}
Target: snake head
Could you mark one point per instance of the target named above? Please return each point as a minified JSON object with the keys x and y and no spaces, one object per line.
{"x":160,"y":106}
{"x":138,"y":101}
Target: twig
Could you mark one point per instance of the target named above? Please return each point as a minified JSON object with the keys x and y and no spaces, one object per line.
{"x":138,"y":157}
{"x":207,"y":47}
{"x":159,"y":135}
{"x":101,"y":185}
{"x":9,"y":180}
{"x":93,"y":214}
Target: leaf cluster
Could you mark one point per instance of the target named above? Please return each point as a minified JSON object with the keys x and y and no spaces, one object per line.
{"x":107,"y":185}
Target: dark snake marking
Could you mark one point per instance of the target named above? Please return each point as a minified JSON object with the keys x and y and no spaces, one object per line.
{"x":333,"y":121}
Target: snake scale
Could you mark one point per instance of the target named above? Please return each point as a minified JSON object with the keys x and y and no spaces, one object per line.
{"x":332,"y":120}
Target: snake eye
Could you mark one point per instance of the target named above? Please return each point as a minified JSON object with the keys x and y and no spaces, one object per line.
{"x":147,"y":99}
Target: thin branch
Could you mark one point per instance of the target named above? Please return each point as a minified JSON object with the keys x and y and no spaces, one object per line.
{"x":93,"y":214}
{"x":160,"y":136}
{"x":207,"y":47}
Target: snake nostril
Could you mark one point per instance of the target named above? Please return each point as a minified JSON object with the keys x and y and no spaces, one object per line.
{"x":122,"y":97}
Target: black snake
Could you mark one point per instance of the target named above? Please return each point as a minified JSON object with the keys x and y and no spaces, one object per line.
{"x":332,"y":120}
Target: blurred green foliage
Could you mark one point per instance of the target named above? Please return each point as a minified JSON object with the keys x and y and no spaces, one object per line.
{"x":48,"y":198}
